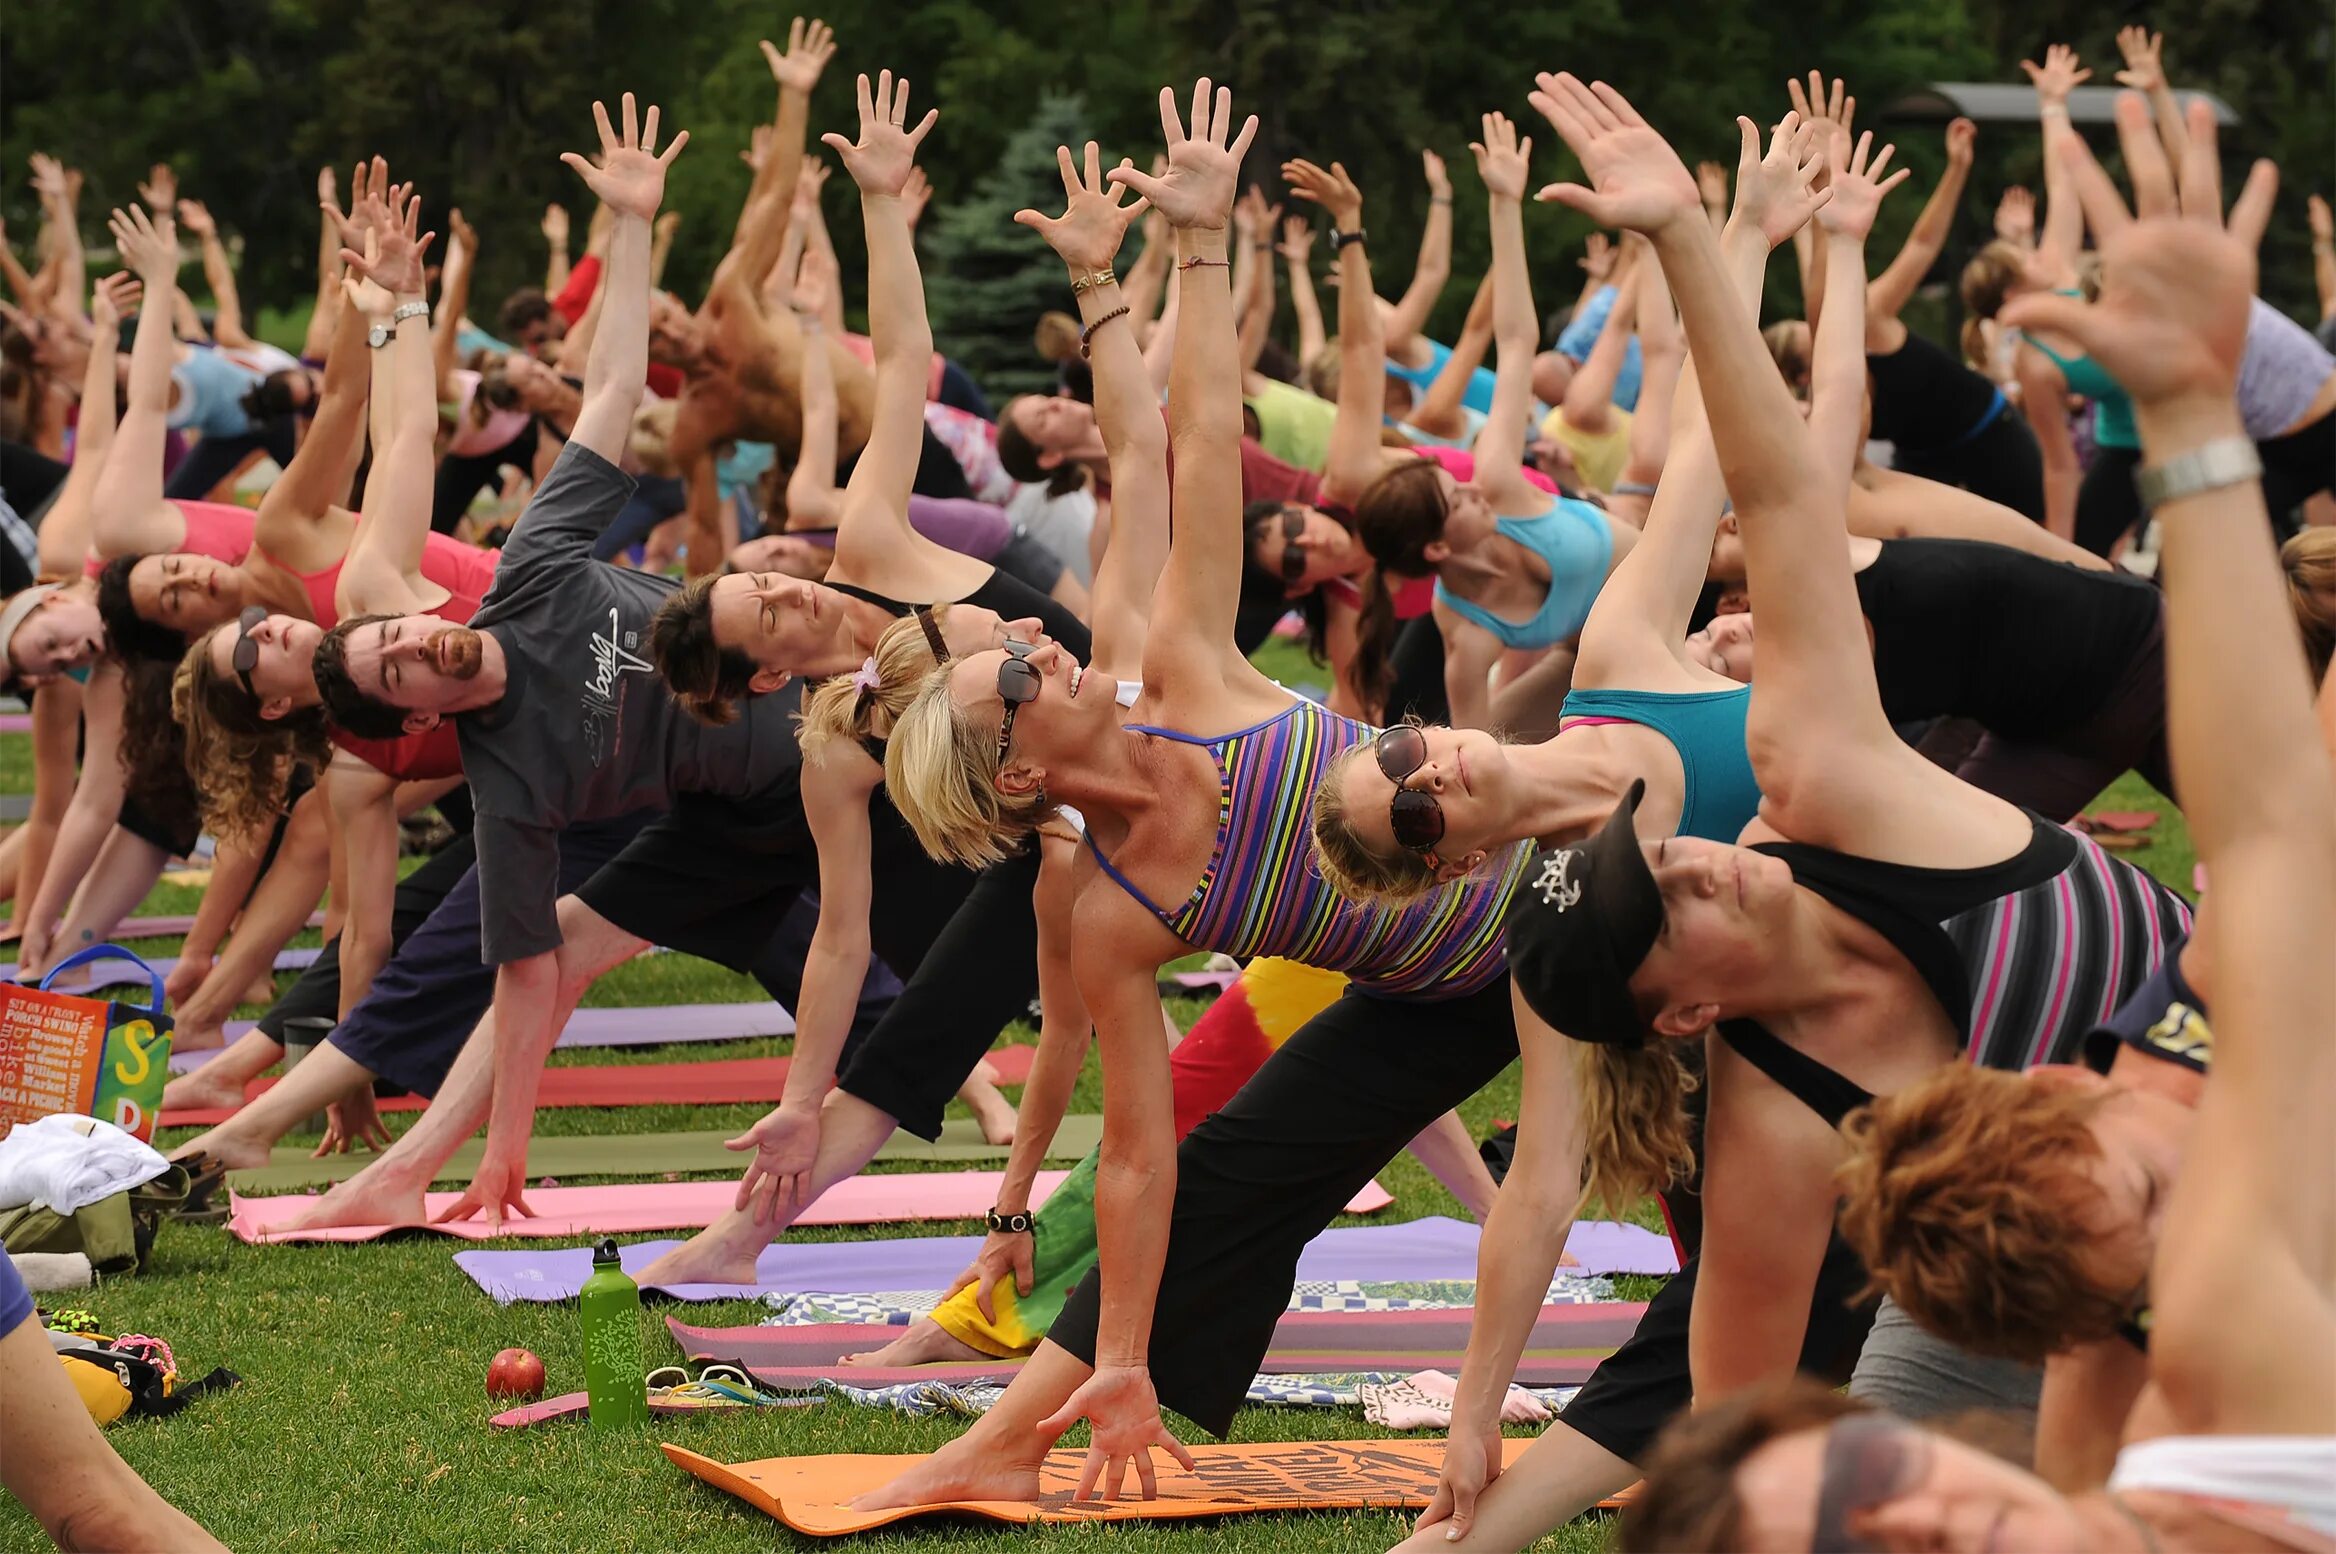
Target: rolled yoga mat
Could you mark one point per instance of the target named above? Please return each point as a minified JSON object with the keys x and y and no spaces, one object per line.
{"x":1427,"y":1249}
{"x":813,"y":1494}
{"x":653,"y":1154}
{"x":718,"y":1083}
{"x":890,"y":1198}
{"x":106,"y":973}
{"x":649,"y":1026}
{"x":1566,"y":1345}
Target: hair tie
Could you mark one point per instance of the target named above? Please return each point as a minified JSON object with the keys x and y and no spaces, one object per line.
{"x":866,"y":677}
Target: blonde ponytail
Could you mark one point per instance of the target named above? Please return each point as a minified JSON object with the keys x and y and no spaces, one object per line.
{"x":866,"y":703}
{"x":1634,"y":1119}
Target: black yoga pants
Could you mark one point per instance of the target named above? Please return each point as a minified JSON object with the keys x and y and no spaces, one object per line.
{"x":461,"y":477}
{"x":2000,"y":462}
{"x":213,"y":459}
{"x":2107,"y":505}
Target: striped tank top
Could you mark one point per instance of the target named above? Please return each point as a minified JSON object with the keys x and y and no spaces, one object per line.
{"x":2026,"y":956}
{"x":1260,"y":894}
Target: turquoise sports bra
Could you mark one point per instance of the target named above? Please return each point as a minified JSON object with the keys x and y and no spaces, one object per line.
{"x":1707,"y":729}
{"x":2114,"y":427}
{"x":1574,"y":538}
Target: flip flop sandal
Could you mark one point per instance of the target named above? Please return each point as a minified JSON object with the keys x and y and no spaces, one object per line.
{"x":206,"y":1174}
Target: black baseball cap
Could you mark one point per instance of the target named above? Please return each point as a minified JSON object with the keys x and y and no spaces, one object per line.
{"x":1581,"y":923}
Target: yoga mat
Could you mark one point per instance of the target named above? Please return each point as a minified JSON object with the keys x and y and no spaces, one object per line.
{"x":576,"y":1405}
{"x":812,"y":1494}
{"x":640,"y":1027}
{"x":1566,"y":1345}
{"x":107,"y":972}
{"x":15,"y":722}
{"x":575,"y":1211}
{"x":158,"y":927}
{"x":1435,"y":1248}
{"x":652,"y":1154}
{"x":629,"y":1084}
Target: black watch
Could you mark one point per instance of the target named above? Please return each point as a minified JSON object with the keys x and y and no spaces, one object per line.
{"x":1339,"y":240}
{"x":1021,"y":1224}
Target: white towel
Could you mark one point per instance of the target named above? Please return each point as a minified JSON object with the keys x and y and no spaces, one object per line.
{"x":69,"y":1162}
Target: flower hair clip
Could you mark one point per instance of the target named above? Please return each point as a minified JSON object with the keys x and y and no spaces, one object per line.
{"x":866,"y":678}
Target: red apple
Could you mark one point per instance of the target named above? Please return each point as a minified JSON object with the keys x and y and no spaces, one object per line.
{"x":515,"y":1373}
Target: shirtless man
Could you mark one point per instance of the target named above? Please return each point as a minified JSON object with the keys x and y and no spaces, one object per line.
{"x":743,"y":359}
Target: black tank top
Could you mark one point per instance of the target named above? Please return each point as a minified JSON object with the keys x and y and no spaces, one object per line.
{"x":2028,"y":648}
{"x":2026,"y":956}
{"x":1924,"y":399}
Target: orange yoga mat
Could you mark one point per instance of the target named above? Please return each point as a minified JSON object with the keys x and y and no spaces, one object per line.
{"x":811,"y":1494}
{"x":629,"y":1084}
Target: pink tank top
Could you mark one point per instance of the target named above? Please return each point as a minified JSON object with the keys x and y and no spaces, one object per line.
{"x":435,"y":753}
{"x":220,"y":530}
{"x":464,"y":571}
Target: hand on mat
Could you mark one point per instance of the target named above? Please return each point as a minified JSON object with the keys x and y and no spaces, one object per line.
{"x":1472,"y":1460}
{"x":1124,"y":1411}
{"x":1004,"y":1254}
{"x":349,"y":1122}
{"x":185,"y":978}
{"x":501,"y":1178}
{"x":778,"y":1179}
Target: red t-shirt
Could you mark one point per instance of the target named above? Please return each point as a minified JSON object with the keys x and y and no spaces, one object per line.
{"x":665,"y":379}
{"x":436,"y":753}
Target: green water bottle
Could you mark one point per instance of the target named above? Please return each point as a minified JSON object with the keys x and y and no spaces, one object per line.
{"x":612,"y":1343}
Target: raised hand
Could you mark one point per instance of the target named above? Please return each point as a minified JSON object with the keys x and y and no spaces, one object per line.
{"x":195,"y":216}
{"x":1501,"y":158}
{"x":2058,"y":76}
{"x":886,"y":152}
{"x":114,"y":299}
{"x":2144,"y":51}
{"x":160,"y":188}
{"x":810,"y":184}
{"x":1125,"y":1412}
{"x":1776,"y":191}
{"x":1094,"y":221}
{"x":2323,"y":223}
{"x":369,"y":192}
{"x":1439,"y":182}
{"x":1253,"y":218}
{"x":915,"y":195}
{"x":814,"y":284}
{"x":1857,"y":188}
{"x":1598,"y":257}
{"x":48,"y":176}
{"x":1334,"y":191}
{"x":630,"y":176}
{"x":368,"y":296}
{"x":555,"y":226}
{"x":394,"y":246}
{"x":147,"y":245}
{"x":328,"y":188}
{"x":1297,"y":244}
{"x":2015,"y":216}
{"x":1637,"y":180}
{"x":2171,"y":322}
{"x":810,"y":45}
{"x":758,"y":147}
{"x":460,"y":233}
{"x":1204,"y":168}
{"x":1711,"y":181}
{"x":1962,"y":137}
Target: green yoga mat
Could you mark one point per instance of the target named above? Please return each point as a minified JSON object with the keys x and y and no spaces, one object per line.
{"x":654,"y":1154}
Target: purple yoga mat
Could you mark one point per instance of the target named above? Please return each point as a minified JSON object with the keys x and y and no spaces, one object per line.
{"x":106,"y":973}
{"x":1434,"y":1248}
{"x":647,"y":1027}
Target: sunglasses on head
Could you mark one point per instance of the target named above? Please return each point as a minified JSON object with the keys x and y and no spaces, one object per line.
{"x":1416,"y":818}
{"x":1293,"y":553}
{"x":246,"y":656}
{"x":1017,"y":683}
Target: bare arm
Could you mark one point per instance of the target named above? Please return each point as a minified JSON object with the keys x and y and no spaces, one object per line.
{"x":811,"y":493}
{"x":131,"y":514}
{"x":383,"y":571}
{"x":630,"y":180}
{"x":2145,"y":72}
{"x":364,"y":805}
{"x":1470,"y":652}
{"x":1500,"y":448}
{"x":326,"y":311}
{"x":1297,"y":248}
{"x":1354,"y":459}
{"x":56,"y":188}
{"x":2044,"y":401}
{"x":1434,"y":267}
{"x":2323,"y":225}
{"x":65,"y":534}
{"x":1146,"y":284}
{"x":2064,"y":219}
{"x":226,"y":303}
{"x":1589,"y":394}
{"x":796,"y":71}
{"x":462,"y":252}
{"x":555,"y":239}
{"x":1443,"y":410}
{"x":318,"y":475}
{"x":89,"y":816}
{"x":1888,"y":295}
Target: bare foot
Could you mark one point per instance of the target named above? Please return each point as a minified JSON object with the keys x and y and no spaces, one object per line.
{"x":925,"y":1343}
{"x":722,"y":1254}
{"x":262,"y":990}
{"x":221,"y":1144}
{"x":968,"y":1468}
{"x":369,"y":1198}
{"x":198,"y":1038}
{"x":990,"y":1108}
{"x":211,"y":1085}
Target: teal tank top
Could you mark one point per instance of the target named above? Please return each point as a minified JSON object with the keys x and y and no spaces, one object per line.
{"x":1707,"y":729}
{"x":1576,"y":541}
{"x":2114,"y":426}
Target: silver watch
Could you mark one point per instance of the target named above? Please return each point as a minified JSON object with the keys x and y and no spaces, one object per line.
{"x":2227,"y":461}
{"x":378,"y":336}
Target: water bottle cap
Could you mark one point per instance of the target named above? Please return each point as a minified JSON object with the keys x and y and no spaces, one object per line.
{"x":603,"y":1254}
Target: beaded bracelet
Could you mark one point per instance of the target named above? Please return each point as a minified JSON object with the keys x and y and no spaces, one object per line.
{"x":1087,"y":334}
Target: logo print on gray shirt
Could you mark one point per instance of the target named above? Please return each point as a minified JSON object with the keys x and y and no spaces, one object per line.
{"x":604,"y":689}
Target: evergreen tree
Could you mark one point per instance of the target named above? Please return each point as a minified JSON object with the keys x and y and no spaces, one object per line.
{"x":986,"y":279}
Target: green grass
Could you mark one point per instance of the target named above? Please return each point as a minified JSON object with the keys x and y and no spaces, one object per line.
{"x":362,"y":1418}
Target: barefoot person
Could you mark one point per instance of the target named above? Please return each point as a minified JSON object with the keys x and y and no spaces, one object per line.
{"x":2238,"y":1446}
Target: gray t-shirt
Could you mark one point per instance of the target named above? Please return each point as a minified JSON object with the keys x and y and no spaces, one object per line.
{"x":584,"y":729}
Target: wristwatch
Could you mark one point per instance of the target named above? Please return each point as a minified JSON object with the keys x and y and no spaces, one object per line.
{"x":2227,"y":461}
{"x":1339,"y":240}
{"x":1021,"y":1224}
{"x":379,"y":335}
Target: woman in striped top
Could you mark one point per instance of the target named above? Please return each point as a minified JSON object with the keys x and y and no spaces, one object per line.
{"x":1201,"y":842}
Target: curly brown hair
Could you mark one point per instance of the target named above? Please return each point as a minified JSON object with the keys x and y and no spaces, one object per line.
{"x":241,"y":762}
{"x":153,"y":752}
{"x":1971,"y":1200}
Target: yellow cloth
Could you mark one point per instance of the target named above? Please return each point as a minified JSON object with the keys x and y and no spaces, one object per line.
{"x":1598,"y":456}
{"x":1293,"y":425}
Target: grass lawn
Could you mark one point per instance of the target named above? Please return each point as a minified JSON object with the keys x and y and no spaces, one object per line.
{"x":362,"y":1419}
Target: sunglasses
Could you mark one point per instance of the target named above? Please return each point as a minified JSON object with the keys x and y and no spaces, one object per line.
{"x":1017,"y":683}
{"x":1293,"y":553}
{"x":1870,"y":1460}
{"x":1416,"y":818}
{"x":246,"y":656}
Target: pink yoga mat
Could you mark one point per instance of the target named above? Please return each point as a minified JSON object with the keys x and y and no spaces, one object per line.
{"x":641,"y":1027}
{"x":891,"y":1198}
{"x":15,"y":722}
{"x":630,"y":1084}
